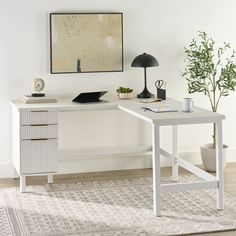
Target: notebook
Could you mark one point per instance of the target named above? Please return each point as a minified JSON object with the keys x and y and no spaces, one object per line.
{"x":159,"y":109}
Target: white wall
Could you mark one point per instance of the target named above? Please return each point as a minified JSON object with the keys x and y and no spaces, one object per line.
{"x":159,"y":27}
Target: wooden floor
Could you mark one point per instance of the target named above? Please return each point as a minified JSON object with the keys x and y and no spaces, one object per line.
{"x":229,"y":177}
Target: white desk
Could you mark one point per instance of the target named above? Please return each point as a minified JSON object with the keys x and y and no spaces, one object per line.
{"x":35,"y":141}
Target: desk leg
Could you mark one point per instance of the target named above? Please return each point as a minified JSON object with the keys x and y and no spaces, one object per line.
{"x":219,"y":167}
{"x":50,"y":179}
{"x":22,"y":183}
{"x":175,"y":168}
{"x":156,"y":169}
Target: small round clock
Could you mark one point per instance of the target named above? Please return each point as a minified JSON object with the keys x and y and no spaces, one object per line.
{"x":38,"y":85}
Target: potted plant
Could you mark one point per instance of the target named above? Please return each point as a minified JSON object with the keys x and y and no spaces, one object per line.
{"x":124,"y":93}
{"x":211,"y":71}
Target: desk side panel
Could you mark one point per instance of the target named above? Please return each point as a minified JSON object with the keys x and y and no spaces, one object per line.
{"x":15,"y":138}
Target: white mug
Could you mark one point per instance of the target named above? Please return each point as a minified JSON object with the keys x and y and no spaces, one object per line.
{"x":187,"y":105}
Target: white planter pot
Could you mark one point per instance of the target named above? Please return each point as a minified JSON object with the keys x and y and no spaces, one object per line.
{"x":125,"y":95}
{"x":208,"y":154}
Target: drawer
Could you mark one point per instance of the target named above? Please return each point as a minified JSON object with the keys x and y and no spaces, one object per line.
{"x":38,"y":131}
{"x":38,"y":117}
{"x":38,"y":156}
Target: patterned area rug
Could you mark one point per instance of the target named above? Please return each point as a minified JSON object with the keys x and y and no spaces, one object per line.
{"x":108,"y":208}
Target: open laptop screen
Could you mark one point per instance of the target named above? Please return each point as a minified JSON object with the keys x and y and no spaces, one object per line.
{"x":89,"y":97}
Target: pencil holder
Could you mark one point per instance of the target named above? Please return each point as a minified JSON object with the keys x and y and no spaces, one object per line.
{"x":161,"y":93}
{"x":161,"y":89}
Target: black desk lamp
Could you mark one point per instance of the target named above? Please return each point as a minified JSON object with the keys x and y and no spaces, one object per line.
{"x":145,"y":60}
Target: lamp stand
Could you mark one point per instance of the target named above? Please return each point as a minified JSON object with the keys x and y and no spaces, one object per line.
{"x":145,"y":93}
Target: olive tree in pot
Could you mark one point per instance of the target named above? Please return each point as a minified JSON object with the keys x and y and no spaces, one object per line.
{"x":211,"y":71}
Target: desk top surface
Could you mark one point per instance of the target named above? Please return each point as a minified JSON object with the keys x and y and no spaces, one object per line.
{"x":66,"y":104}
{"x":133,"y":106}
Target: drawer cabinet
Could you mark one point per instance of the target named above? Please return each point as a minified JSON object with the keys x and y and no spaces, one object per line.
{"x":35,"y":142}
{"x":38,"y":156}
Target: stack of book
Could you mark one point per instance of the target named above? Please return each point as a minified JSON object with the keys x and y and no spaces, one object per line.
{"x":28,"y":99}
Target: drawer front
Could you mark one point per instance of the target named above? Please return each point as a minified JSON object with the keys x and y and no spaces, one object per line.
{"x":38,"y":131}
{"x":38,"y":117}
{"x":38,"y":156}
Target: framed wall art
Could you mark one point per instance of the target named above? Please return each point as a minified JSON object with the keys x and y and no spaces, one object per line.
{"x":86,"y":42}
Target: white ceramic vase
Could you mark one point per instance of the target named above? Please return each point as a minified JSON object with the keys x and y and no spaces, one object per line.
{"x":208,"y":154}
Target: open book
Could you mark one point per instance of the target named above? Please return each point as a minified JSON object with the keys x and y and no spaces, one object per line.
{"x":159,"y":109}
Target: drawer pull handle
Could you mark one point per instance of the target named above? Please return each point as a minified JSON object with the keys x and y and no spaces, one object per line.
{"x":40,"y":111}
{"x":40,"y":125}
{"x":39,"y":139}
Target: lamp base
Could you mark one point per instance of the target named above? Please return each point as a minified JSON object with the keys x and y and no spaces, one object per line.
{"x":145,"y":94}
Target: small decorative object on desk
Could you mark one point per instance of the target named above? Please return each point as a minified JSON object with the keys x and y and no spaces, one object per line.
{"x":38,"y":85}
{"x":161,"y":89}
{"x":124,"y":93}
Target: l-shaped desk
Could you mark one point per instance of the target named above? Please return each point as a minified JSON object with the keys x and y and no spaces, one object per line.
{"x":34,"y":141}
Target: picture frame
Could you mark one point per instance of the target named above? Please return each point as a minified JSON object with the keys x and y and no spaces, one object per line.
{"x":86,"y":42}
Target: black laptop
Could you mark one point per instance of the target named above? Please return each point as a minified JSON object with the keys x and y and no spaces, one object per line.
{"x":88,"y":97}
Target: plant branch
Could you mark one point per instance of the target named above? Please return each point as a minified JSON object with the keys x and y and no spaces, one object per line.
{"x":218,"y":100}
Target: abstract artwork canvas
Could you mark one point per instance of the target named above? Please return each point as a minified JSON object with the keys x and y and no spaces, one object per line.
{"x":86,"y":42}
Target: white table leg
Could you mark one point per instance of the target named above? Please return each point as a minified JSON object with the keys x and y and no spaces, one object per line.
{"x":50,"y":179}
{"x":175,"y":168}
{"x":156,"y":169}
{"x":219,"y":167}
{"x":22,"y":183}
